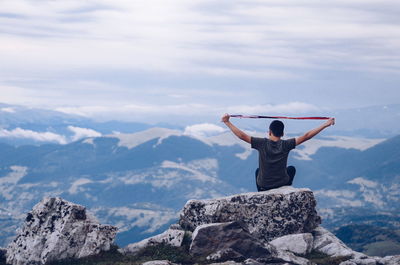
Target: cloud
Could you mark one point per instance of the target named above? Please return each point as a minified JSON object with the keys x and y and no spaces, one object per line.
{"x":8,"y":109}
{"x":93,"y":53}
{"x":288,"y":108}
{"x":203,"y":130}
{"x":162,"y":110}
{"x":80,"y":133}
{"x":37,"y":136}
{"x":266,"y":39}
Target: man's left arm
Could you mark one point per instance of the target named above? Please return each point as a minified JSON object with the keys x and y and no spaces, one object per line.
{"x":239,"y":133}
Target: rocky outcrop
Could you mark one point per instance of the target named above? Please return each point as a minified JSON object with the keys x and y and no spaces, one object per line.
{"x":279,"y":226}
{"x":267,"y":215}
{"x":273,"y":227}
{"x":57,"y":229}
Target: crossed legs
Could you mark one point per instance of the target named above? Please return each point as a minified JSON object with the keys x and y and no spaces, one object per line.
{"x":291,"y":171}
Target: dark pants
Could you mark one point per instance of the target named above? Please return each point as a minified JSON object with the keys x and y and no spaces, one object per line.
{"x":291,"y":170}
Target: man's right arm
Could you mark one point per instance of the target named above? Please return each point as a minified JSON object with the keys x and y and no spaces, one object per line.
{"x":239,"y":133}
{"x":314,"y":132}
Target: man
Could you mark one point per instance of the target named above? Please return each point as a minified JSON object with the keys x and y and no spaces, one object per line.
{"x":273,"y":152}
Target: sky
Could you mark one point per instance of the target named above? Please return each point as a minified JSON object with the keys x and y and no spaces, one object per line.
{"x":162,"y":60}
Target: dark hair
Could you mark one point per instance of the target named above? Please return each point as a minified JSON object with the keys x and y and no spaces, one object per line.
{"x":276,"y":127}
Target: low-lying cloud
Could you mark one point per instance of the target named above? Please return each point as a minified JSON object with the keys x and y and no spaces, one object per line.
{"x":203,"y":130}
{"x":36,"y":136}
{"x":187,"y":110}
{"x":80,"y":133}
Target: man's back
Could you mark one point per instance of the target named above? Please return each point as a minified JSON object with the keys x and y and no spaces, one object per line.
{"x":273,"y":156}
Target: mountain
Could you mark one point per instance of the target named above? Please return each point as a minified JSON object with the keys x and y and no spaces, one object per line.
{"x":21,"y":125}
{"x":139,"y":181}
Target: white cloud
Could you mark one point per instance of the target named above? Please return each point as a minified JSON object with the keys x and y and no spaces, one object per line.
{"x":80,"y":133}
{"x":76,"y":185}
{"x":309,"y":148}
{"x":203,"y":130}
{"x":132,"y":140}
{"x":65,"y":43}
{"x":136,"y":111}
{"x":363,"y":182}
{"x":9,"y":110}
{"x":289,"y":108}
{"x":192,"y":36}
{"x":37,"y":136}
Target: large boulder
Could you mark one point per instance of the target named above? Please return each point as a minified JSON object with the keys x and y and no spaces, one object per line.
{"x":267,"y":215}
{"x":221,"y":242}
{"x":57,"y":229}
{"x":226,"y":240}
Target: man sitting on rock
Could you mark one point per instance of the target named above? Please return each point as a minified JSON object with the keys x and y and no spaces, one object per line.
{"x":273,"y":153}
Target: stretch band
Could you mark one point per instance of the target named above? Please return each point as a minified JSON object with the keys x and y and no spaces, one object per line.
{"x":278,"y":117}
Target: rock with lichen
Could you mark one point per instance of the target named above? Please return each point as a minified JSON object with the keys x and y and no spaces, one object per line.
{"x":57,"y":229}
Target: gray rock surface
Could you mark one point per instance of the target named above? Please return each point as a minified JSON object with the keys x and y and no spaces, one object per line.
{"x":208,"y":239}
{"x":224,"y":242}
{"x":328,"y":243}
{"x":57,"y":229}
{"x":171,"y":237}
{"x":225,"y":254}
{"x":300,"y":244}
{"x":291,"y":258}
{"x":158,"y":262}
{"x":390,"y":260}
{"x":365,"y":261}
{"x":267,"y":215}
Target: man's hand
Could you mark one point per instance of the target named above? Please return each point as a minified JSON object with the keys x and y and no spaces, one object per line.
{"x":239,"y":133}
{"x":225,"y":117}
{"x":330,"y":122}
{"x":312,"y":133}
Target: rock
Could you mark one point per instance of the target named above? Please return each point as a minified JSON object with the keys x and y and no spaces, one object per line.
{"x":290,"y":258}
{"x":171,"y":237}
{"x":210,"y":238}
{"x":327,"y":243}
{"x":175,"y":227}
{"x":252,"y":262}
{"x":225,"y":254}
{"x":366,"y":261}
{"x":229,"y":262}
{"x":57,"y":229}
{"x":348,"y":262}
{"x":300,"y":244}
{"x":390,"y":260}
{"x":158,"y":262}
{"x":267,"y":215}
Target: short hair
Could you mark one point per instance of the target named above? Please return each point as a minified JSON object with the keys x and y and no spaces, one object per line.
{"x":277,"y":127}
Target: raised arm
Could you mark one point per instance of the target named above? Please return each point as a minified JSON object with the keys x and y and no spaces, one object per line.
{"x":239,"y":133}
{"x":315,"y":131}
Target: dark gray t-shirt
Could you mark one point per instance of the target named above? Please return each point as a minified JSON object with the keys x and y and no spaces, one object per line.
{"x":273,"y":158}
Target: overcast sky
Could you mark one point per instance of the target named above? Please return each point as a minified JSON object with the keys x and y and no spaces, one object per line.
{"x":156,"y":59}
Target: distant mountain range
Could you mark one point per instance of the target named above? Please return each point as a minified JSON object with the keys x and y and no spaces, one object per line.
{"x":139,"y":180}
{"x":21,"y":125}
